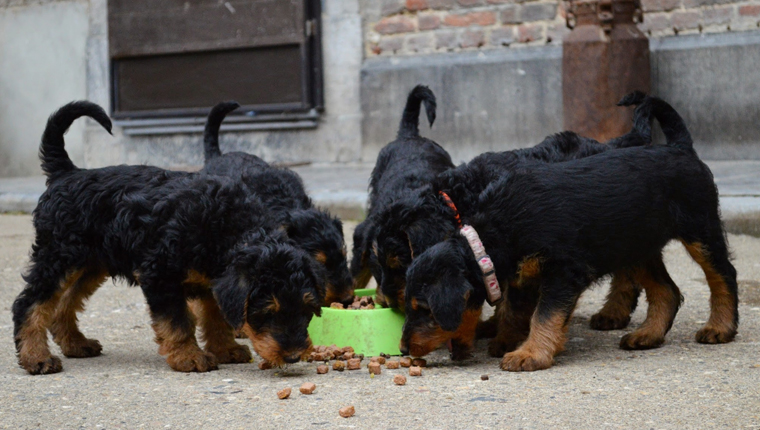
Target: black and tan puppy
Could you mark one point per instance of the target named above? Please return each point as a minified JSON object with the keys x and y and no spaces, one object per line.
{"x":407,"y":163}
{"x":570,"y":224}
{"x":398,"y":227}
{"x":283,"y":194}
{"x":176,"y":235}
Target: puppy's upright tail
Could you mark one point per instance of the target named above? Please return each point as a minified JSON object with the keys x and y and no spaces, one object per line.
{"x":211,"y":133}
{"x":410,"y":120}
{"x":55,"y":159}
{"x":673,"y":126}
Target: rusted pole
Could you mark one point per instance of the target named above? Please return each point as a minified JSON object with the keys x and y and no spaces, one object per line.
{"x":604,"y":57}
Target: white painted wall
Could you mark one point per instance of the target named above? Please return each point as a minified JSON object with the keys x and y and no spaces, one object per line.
{"x":42,"y":67}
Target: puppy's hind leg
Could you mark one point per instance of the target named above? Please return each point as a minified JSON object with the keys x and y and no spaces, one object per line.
{"x":712,"y":256}
{"x":33,"y":312}
{"x":63,"y":325}
{"x":174,"y":326}
{"x":217,"y":334}
{"x":620,"y":303}
{"x":664,"y":299}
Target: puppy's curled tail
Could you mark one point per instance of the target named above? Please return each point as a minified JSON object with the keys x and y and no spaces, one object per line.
{"x":409,"y":127}
{"x":211,"y":132}
{"x":55,"y":159}
{"x":673,"y":126}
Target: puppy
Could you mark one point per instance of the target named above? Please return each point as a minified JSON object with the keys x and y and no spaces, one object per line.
{"x":403,"y":165}
{"x":568,"y":225}
{"x":283,"y":194}
{"x":400,"y":235}
{"x":175,"y":234}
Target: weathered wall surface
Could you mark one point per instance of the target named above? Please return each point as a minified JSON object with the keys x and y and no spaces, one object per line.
{"x":503,"y":99}
{"x":42,"y":66}
{"x":336,"y":139}
{"x":412,"y":27}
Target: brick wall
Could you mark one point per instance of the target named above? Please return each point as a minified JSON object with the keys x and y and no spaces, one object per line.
{"x":409,"y":27}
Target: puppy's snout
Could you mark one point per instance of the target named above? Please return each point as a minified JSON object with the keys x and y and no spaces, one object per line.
{"x":403,"y":348}
{"x":292,"y":359}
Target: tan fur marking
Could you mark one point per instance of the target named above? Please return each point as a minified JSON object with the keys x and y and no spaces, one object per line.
{"x":273,"y":307}
{"x":218,"y":336}
{"x":722,"y":305}
{"x":32,"y":336}
{"x":616,"y":312}
{"x":63,"y":324}
{"x":393,"y":262}
{"x":466,"y":331}
{"x":529,"y":269}
{"x":663,"y":304}
{"x":267,"y":347}
{"x":546,"y":339}
{"x":196,"y":278}
{"x":181,"y":348}
{"x":321,"y":257}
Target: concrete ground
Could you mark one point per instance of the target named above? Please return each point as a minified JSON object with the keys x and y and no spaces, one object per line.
{"x":682,"y":385}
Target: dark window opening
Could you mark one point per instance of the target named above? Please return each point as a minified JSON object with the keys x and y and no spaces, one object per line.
{"x":172,"y":60}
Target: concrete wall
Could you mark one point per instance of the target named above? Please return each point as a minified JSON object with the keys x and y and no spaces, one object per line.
{"x":42,"y":66}
{"x":336,"y":139}
{"x":502,"y":99}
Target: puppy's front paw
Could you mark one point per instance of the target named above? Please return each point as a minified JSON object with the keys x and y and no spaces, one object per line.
{"x":234,"y":354}
{"x":524,"y":361}
{"x":195,"y":361}
{"x":603,"y":322}
{"x":712,"y":335}
{"x":51,"y":364}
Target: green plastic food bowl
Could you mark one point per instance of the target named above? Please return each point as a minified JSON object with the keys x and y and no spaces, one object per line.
{"x":369,"y":332}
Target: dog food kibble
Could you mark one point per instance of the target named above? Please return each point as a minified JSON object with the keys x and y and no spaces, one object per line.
{"x":380,"y":360}
{"x":393,"y":364}
{"x":318,"y":356}
{"x":265,"y":365}
{"x":336,"y":305}
{"x":347,"y":412}
{"x":368,"y":307}
{"x":307,"y":388}
{"x":399,"y":380}
{"x":348,"y":355}
{"x":354,"y":364}
{"x":483,"y":377}
{"x":415,"y":371}
{"x":348,"y":349}
{"x":374,"y":367}
{"x":322,"y":369}
{"x":405,"y":361}
{"x":419,"y":362}
{"x":339,"y":366}
{"x":284,"y":393}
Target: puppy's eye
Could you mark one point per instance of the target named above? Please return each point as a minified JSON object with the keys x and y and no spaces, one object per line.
{"x":421,"y":304}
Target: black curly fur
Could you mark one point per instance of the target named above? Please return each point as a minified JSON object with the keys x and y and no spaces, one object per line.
{"x":283,"y":194}
{"x":407,"y":163}
{"x":151,"y":227}
{"x":582,"y":219}
{"x":393,"y":225}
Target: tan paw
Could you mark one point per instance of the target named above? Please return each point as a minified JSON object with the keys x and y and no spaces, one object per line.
{"x":602,"y":321}
{"x":235,"y":354}
{"x":51,"y":364}
{"x":637,"y":340}
{"x":523,"y":361}
{"x":82,"y":349}
{"x":711,"y":335}
{"x":196,"y":361}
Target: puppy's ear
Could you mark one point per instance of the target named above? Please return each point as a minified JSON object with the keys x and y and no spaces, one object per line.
{"x":232,"y":297}
{"x":448,"y":301}
{"x":234,"y":288}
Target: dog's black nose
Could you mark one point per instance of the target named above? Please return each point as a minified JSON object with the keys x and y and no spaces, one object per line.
{"x":404,"y":349}
{"x":292,"y":359}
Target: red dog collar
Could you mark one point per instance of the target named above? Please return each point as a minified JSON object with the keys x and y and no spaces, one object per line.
{"x":493,"y":290}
